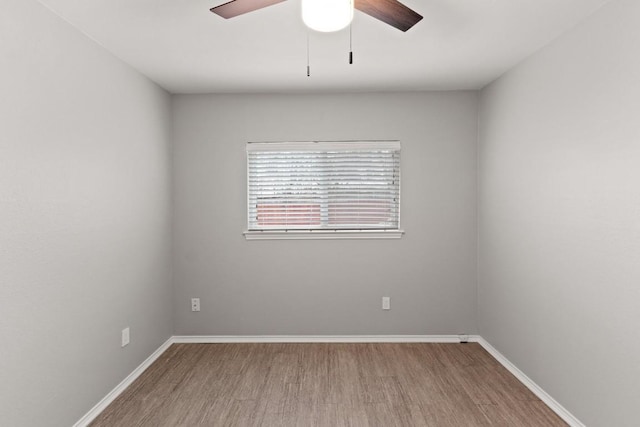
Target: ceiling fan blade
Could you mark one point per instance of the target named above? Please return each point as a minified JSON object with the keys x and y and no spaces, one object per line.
{"x":240,"y":7}
{"x":392,"y":12}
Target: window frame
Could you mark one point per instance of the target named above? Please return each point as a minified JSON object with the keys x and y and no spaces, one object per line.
{"x":324,"y":233}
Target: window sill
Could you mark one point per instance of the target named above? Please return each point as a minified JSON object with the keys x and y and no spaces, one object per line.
{"x":323,"y":234}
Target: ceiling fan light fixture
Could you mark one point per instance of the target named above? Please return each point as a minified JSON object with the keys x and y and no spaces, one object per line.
{"x":327,"y":15}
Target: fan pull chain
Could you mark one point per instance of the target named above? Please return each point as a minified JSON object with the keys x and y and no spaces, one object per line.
{"x":308,"y":66}
{"x":350,"y":45}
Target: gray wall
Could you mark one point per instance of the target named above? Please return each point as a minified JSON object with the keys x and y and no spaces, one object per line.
{"x":333,"y":286}
{"x":560,"y":217}
{"x":84,"y":219}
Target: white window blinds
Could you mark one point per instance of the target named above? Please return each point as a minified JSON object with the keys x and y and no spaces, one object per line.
{"x":324,"y":185}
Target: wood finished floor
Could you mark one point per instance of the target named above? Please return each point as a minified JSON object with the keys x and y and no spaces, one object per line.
{"x":327,"y":385}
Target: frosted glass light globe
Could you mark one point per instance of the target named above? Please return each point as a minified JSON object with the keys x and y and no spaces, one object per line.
{"x":327,"y":15}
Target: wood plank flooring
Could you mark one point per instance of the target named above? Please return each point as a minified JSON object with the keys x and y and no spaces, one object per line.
{"x":327,"y":385}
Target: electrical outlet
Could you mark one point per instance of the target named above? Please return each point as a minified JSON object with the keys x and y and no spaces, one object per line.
{"x":125,"y":337}
{"x":386,"y":303}
{"x":195,"y":304}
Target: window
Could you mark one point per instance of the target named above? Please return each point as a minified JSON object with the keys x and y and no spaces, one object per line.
{"x":347,"y":189}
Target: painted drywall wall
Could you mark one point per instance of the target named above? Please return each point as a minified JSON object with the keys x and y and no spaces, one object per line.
{"x":559,"y":217}
{"x":331,"y":286}
{"x":84,"y":219}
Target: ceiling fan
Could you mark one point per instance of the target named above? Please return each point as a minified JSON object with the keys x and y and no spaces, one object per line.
{"x":391,"y":12}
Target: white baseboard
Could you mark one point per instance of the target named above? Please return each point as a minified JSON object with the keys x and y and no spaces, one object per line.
{"x":113,"y":394}
{"x":535,"y":388}
{"x":218,"y":339}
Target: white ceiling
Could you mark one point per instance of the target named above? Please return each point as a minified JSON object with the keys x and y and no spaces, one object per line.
{"x":460,"y":44}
